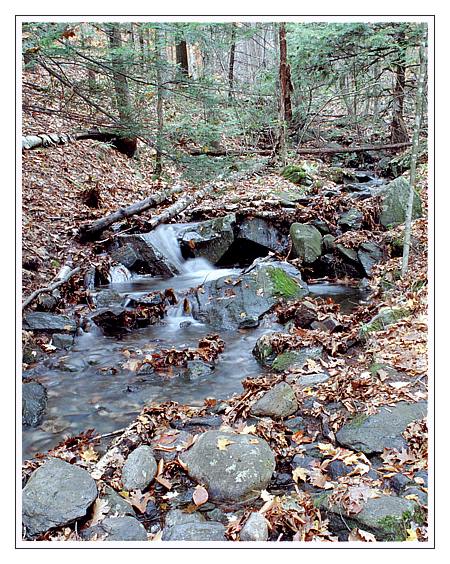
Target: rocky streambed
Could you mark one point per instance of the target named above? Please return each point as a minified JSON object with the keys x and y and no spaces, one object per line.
{"x":210,"y":315}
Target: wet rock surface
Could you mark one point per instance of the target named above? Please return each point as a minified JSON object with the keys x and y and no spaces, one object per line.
{"x":49,"y":322}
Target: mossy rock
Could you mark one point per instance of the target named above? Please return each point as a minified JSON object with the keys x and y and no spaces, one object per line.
{"x":297,"y":175}
{"x":395,"y":201}
{"x":298,"y":358}
{"x":284,"y":286}
{"x":385,"y":317}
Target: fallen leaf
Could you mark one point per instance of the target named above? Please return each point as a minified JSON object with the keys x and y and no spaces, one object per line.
{"x":359,"y":535}
{"x":300,"y":474}
{"x":89,"y":455}
{"x":200,"y":495}
{"x":222,"y":443}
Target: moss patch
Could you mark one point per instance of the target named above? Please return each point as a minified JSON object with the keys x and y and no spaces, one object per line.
{"x":358,"y":420}
{"x":297,"y":175}
{"x":283,"y":285}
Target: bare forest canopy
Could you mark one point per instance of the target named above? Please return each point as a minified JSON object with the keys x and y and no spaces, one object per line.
{"x":190,"y":91}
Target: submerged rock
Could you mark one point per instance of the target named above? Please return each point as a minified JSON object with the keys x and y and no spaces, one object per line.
{"x":232,"y":466}
{"x":278,"y":402}
{"x":372,"y":434}
{"x":34,"y":403}
{"x":307,"y":242}
{"x":197,"y":369}
{"x":395,"y":201}
{"x":208,"y":239}
{"x":139,"y":469}
{"x":227,"y":302}
{"x":56,"y":494}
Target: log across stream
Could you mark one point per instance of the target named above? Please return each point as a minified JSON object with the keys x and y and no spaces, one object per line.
{"x":88,"y":387}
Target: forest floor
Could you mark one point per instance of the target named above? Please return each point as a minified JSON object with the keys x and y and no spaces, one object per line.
{"x":386,"y":367}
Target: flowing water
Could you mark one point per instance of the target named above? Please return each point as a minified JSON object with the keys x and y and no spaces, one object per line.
{"x":87,"y":388}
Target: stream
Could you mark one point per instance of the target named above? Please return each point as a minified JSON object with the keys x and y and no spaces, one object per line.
{"x":87,"y":388}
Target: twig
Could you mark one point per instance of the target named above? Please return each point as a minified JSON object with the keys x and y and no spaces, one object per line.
{"x":65,"y":274}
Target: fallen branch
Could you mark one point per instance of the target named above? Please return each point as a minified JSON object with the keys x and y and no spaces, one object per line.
{"x":63,"y":276}
{"x":91,"y":230}
{"x":358,"y":149}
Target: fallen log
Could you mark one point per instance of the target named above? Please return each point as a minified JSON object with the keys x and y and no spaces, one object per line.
{"x":91,"y":230}
{"x":63,"y":276}
{"x":357,"y":149}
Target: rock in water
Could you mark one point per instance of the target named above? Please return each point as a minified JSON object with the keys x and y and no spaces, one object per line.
{"x":139,"y":469}
{"x":124,"y":528}
{"x":307,"y":242}
{"x":226,"y":303}
{"x":232,"y":466}
{"x":278,"y":402}
{"x":255,"y":528}
{"x":372,"y":434}
{"x":395,"y":201}
{"x":209,"y":239}
{"x":56,"y":494}
{"x":34,"y":403}
{"x":262,"y":233}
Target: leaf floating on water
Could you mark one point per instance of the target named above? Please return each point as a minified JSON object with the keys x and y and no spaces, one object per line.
{"x":200,"y":496}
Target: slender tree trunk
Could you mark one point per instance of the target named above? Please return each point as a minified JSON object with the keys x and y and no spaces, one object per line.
{"x":159,"y":103}
{"x":414,"y":153}
{"x":399,"y":133}
{"x":182,"y":57}
{"x":120,"y":80}
{"x":231,"y":61}
{"x":285,"y":76}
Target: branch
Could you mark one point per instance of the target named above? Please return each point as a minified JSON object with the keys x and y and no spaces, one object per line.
{"x":359,"y":149}
{"x":64,"y":275}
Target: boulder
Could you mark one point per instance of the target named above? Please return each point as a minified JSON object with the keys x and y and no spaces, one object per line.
{"x":34,"y":403}
{"x":308,"y":380}
{"x":267,"y":356}
{"x":118,"y":505}
{"x":372,"y":434}
{"x":278,"y":402}
{"x":385,"y":317}
{"x":112,"y":319}
{"x":62,"y":341}
{"x":261,"y":232}
{"x":139,"y":469}
{"x":307,"y":242}
{"x":232,"y":466}
{"x":369,"y":254}
{"x":395,"y":201}
{"x":227,"y":302}
{"x":56,"y":494}
{"x":351,"y":220}
{"x":143,"y":252}
{"x":123,"y":528}
{"x":349,"y":254}
{"x":387,"y":517}
{"x":48,"y":322}
{"x":255,"y":528}
{"x":329,"y":242}
{"x":209,"y":239}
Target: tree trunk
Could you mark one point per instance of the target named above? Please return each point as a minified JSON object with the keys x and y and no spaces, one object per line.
{"x":399,"y":133}
{"x":121,"y":88}
{"x":182,"y":57}
{"x":159,"y":103}
{"x":414,"y":153}
{"x":231,"y":61}
{"x":285,"y":76}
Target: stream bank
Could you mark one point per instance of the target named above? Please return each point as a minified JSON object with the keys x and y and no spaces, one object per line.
{"x":305,"y":407}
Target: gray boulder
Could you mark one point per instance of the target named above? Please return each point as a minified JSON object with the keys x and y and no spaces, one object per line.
{"x":307,"y":380}
{"x":232,"y":466}
{"x":62,"y":341}
{"x":255,"y":528}
{"x":180,"y":526}
{"x":124,"y":528}
{"x":227,"y":302}
{"x":372,"y":434}
{"x":394,"y":203}
{"x":34,"y":403}
{"x":143,"y":251}
{"x":386,"y":517}
{"x":307,"y":242}
{"x":349,"y":254}
{"x":118,"y":505}
{"x":209,"y":239}
{"x":351,"y":220}
{"x":49,"y":322}
{"x":139,"y":469}
{"x":267,"y":355}
{"x":56,"y":494}
{"x":278,"y":402}
{"x":260,"y":231}
{"x":369,"y":254}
